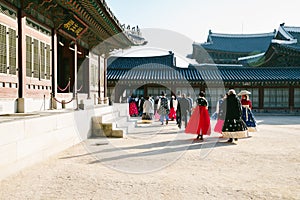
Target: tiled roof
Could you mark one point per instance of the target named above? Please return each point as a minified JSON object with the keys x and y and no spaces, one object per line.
{"x":141,"y":62}
{"x":242,"y":43}
{"x":288,"y":33}
{"x":273,"y":57}
{"x":244,"y":74}
{"x":197,"y":73}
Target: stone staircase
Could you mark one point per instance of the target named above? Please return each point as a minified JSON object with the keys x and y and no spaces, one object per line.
{"x":114,"y":123}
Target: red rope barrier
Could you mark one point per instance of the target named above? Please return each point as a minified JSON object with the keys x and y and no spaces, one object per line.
{"x":62,"y":102}
{"x":79,"y":88}
{"x":62,"y":90}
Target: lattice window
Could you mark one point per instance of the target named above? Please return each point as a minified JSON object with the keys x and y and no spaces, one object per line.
{"x":297,"y":98}
{"x":12,"y":51}
{"x":276,"y":97}
{"x":36,"y":60}
{"x":213,"y":95}
{"x":48,"y":62}
{"x":3,"y":50}
{"x":28,"y":56}
{"x":43,"y":60}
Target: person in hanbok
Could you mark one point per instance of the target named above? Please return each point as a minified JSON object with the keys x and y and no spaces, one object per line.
{"x":133,"y":110}
{"x":247,"y":114}
{"x":163,"y":108}
{"x":156,"y":115}
{"x":152,"y":106}
{"x":220,"y":111}
{"x":147,"y":108}
{"x":173,"y":108}
{"x":199,"y":122}
{"x":183,"y":109}
{"x":234,"y":127}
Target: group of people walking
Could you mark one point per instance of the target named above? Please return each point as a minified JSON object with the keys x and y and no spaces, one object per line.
{"x":234,"y":116}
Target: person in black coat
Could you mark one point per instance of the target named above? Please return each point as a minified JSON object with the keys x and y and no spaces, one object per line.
{"x":234,"y":127}
{"x":183,"y":108}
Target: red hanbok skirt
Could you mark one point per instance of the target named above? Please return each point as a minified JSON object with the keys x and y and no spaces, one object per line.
{"x":199,"y":122}
{"x":133,"y":109}
{"x":219,"y":126}
{"x":172,"y":114}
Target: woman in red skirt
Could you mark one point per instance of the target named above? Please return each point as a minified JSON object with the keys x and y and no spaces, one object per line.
{"x":133,"y":110}
{"x":199,"y":122}
{"x":173,"y":108}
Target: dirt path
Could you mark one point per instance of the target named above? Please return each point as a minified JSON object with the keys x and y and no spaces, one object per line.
{"x":160,"y":162}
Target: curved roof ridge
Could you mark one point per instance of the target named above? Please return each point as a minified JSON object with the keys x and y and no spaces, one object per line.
{"x":242,"y":35}
{"x":292,"y":28}
{"x":142,"y":57}
{"x":285,"y":33}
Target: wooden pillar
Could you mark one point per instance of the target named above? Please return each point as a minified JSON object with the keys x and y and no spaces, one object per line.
{"x":291,"y":99}
{"x":21,"y":104}
{"x":88,"y":75}
{"x":105,"y":76}
{"x":261,"y":98}
{"x":54,"y":62}
{"x":75,"y":71}
{"x":21,"y":70}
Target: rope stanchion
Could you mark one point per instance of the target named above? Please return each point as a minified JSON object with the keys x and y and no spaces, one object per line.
{"x":62,"y":90}
{"x":61,"y":102}
{"x":80,"y":88}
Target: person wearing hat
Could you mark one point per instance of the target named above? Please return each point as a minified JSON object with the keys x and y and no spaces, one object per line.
{"x":247,"y":114}
{"x":199,"y":122}
{"x":234,"y":127}
{"x":163,"y":108}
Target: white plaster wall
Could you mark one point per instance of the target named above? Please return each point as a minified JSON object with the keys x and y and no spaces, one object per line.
{"x":26,"y":141}
{"x":8,"y":106}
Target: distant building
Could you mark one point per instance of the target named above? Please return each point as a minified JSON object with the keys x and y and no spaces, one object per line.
{"x":268,"y":65}
{"x":273,"y":89}
{"x":283,"y":51}
{"x":227,"y":48}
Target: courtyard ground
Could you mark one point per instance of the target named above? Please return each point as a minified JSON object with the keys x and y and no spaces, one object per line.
{"x":161,"y":162}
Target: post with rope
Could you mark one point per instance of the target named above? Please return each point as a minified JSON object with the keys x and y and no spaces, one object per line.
{"x":77,"y":104}
{"x":69,"y":84}
{"x":63,"y":104}
{"x":53,"y":104}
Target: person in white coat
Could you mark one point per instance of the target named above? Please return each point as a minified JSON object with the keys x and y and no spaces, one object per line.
{"x":147,"y":109}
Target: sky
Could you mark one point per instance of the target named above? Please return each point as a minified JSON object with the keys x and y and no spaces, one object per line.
{"x":194,"y":18}
{"x":175,"y":24}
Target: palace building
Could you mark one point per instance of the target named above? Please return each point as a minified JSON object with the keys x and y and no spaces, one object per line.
{"x":267,"y":65}
{"x":227,"y":48}
{"x":57,"y":47}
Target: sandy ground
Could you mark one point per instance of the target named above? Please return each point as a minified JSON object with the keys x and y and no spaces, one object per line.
{"x":161,"y":162}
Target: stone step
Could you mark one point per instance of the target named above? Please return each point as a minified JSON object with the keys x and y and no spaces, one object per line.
{"x":107,"y":130}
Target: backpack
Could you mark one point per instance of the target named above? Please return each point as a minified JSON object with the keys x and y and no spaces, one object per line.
{"x":164,"y":103}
